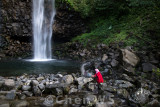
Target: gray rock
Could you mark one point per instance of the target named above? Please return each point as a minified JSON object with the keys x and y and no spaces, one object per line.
{"x":11,"y":95}
{"x":68,"y":79}
{"x":26,"y":87}
{"x":106,"y":87}
{"x":104,"y":58}
{"x":154,"y":103}
{"x":90,"y":100}
{"x":114,"y":63}
{"x":123,"y":93}
{"x":73,"y":90}
{"x":36,"y":91}
{"x":129,"y":69}
{"x":107,"y":94}
{"x":51,"y":88}
{"x":18,"y":85}
{"x":123,"y":84}
{"x":28,"y":82}
{"x":129,"y":57}
{"x":9,"y":83}
{"x":27,"y":93}
{"x":92,"y":86}
{"x":20,"y":104}
{"x":43,"y":81}
{"x":154,"y":61}
{"x":126,"y":77}
{"x":82,"y":81}
{"x":21,"y":96}
{"x":41,"y":86}
{"x":49,"y":101}
{"x":40,"y":78}
{"x":148,"y":67}
{"x":52,"y":76}
{"x":59,"y":75}
{"x":35,"y":83}
{"x":141,"y":96}
{"x":58,"y":91}
{"x":74,"y":76}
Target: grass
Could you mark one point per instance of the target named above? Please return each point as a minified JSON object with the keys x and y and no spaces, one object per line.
{"x":129,"y":29}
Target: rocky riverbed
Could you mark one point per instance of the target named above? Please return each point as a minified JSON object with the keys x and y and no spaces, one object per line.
{"x":74,"y":90}
{"x":131,"y":79}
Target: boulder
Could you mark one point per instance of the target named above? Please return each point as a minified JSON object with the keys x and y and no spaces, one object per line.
{"x":50,"y":88}
{"x":9,"y":83}
{"x":35,"y":83}
{"x":127,"y":78}
{"x":73,"y":90}
{"x":37,"y":91}
{"x":92,"y":86}
{"x":104,"y":58}
{"x":123,"y":93}
{"x":68,"y":79}
{"x":82,"y":81}
{"x":41,"y":86}
{"x":11,"y":95}
{"x":108,"y":94}
{"x":129,"y":57}
{"x":105,"y":87}
{"x":58,"y":91}
{"x":90,"y":100}
{"x":114,"y":63}
{"x":123,"y":84}
{"x":141,"y":96}
{"x":49,"y":101}
{"x":26,"y":87}
{"x":130,"y":69}
{"x":40,"y":79}
{"x":21,"y":96}
{"x":27,"y":93}
{"x":148,"y":67}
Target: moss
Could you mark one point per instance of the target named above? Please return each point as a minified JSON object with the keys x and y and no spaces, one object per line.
{"x":141,"y":26}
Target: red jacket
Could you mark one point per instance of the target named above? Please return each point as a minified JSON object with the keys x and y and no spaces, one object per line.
{"x":99,"y":77}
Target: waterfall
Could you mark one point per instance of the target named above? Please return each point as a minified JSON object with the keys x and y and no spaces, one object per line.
{"x":43,"y":18}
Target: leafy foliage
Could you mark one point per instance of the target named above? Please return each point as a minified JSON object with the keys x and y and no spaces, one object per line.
{"x":157,"y":72}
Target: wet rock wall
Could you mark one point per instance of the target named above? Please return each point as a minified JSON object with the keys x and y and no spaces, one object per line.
{"x":16,"y":17}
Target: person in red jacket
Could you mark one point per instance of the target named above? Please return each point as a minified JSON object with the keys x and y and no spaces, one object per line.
{"x":99,"y":77}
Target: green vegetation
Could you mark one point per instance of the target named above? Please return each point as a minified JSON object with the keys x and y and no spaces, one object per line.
{"x":127,"y":21}
{"x":157,"y":72}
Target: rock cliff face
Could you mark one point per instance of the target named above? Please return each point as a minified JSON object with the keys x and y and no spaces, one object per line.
{"x":16,"y":17}
{"x":16,"y":20}
{"x":67,"y":24}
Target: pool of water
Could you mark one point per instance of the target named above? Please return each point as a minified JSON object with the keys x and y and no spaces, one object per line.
{"x":19,"y":67}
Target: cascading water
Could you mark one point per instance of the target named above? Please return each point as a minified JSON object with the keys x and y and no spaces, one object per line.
{"x":43,"y":18}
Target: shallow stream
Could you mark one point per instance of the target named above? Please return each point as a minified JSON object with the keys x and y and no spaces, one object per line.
{"x":19,"y":67}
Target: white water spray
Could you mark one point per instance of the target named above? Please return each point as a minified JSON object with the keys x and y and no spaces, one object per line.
{"x":43,"y":18}
{"x":83,"y":68}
